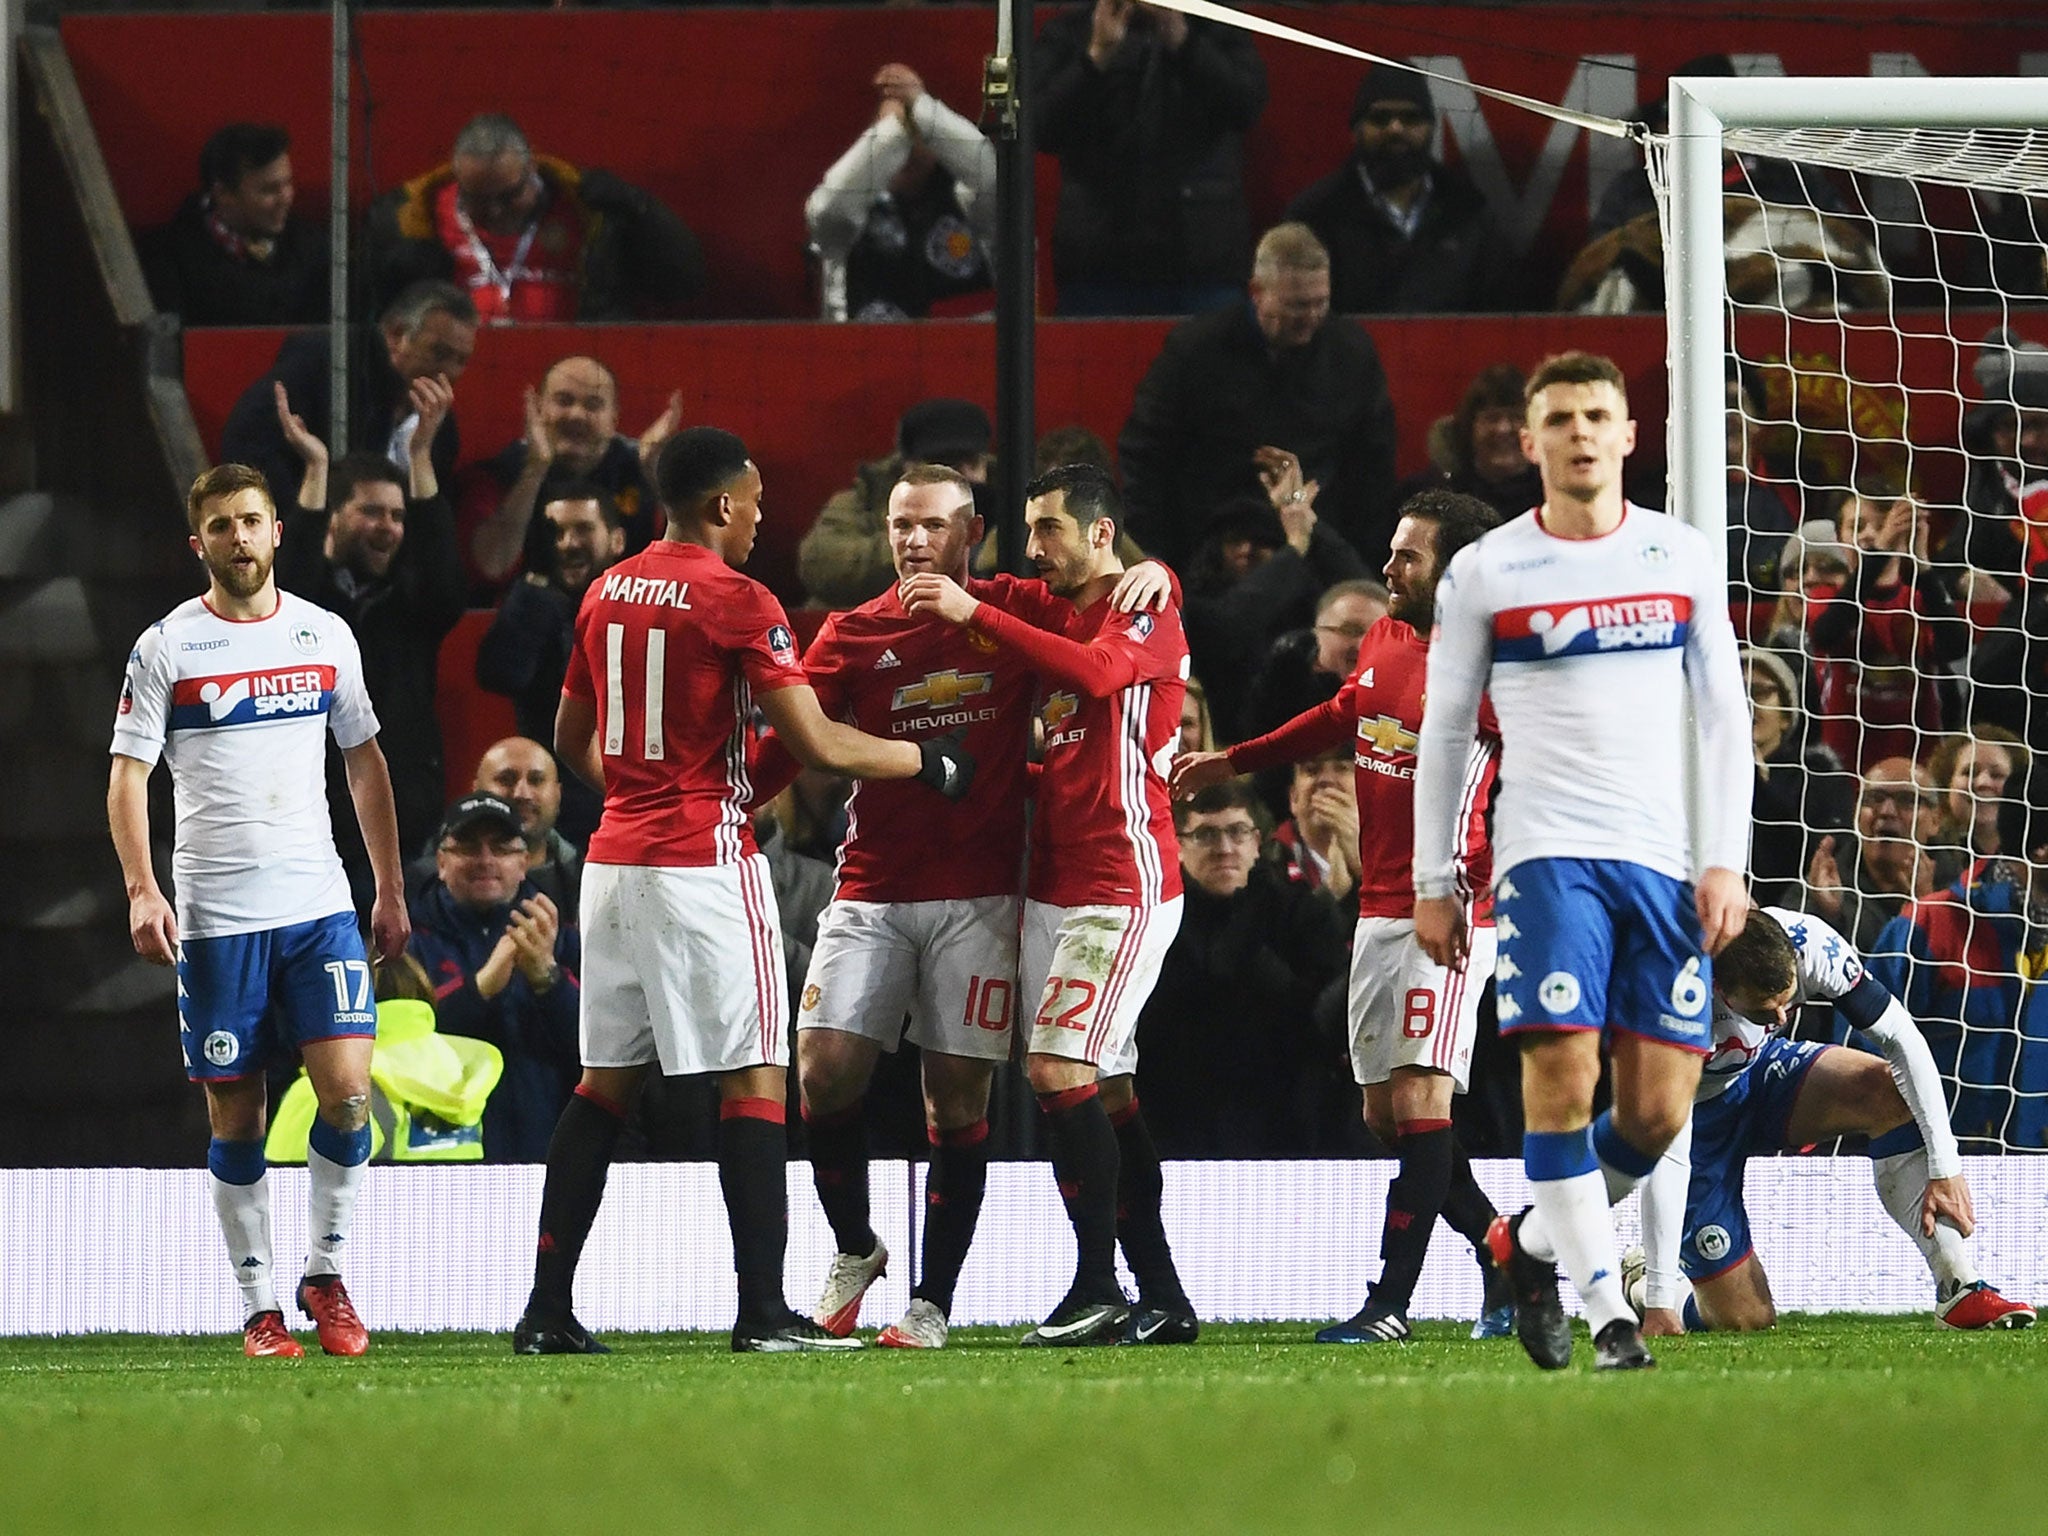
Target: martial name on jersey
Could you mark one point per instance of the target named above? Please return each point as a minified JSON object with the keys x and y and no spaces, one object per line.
{"x":241,"y":710}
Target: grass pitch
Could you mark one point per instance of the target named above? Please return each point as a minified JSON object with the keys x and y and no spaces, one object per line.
{"x":1829,"y":1424}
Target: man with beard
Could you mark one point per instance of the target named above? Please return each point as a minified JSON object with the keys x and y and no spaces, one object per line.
{"x":239,"y":689}
{"x":572,"y":438}
{"x":1103,"y":892}
{"x":379,"y":550}
{"x":1413,"y":1021}
{"x":1407,"y":234}
{"x":525,"y":652}
{"x":1279,"y":372}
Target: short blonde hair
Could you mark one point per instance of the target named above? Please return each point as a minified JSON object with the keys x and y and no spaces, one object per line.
{"x":1291,"y":247}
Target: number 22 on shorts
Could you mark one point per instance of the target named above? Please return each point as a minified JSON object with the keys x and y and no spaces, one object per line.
{"x":1080,"y":998}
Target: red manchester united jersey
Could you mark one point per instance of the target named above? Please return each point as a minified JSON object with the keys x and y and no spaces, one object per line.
{"x":671,"y":646}
{"x":1111,"y":686}
{"x":909,"y":680}
{"x":1379,"y":709}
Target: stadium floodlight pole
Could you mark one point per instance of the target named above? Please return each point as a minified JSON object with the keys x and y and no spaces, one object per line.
{"x":1005,"y":76}
{"x":337,"y":232}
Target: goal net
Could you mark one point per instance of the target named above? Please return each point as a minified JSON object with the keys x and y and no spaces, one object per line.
{"x":1857,"y":290}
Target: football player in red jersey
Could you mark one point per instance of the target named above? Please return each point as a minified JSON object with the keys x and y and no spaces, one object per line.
{"x":1103,"y":895}
{"x":683,"y":962}
{"x":1412,"y":1021}
{"x":907,"y":934}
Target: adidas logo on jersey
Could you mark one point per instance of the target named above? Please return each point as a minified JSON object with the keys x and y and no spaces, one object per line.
{"x":887,"y":659}
{"x":1366,"y":680}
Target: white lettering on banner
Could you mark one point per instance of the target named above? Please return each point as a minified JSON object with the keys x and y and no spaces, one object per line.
{"x":1829,"y":1244}
{"x":1603,"y":83}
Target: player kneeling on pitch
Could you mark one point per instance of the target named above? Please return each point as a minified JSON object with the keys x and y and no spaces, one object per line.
{"x":1762,"y":1093}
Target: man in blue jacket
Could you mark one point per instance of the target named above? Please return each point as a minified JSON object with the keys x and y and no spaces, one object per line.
{"x":504,"y":970}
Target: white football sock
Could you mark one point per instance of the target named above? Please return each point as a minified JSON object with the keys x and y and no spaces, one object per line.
{"x":244,"y":1212}
{"x":1576,"y":1222}
{"x":331,"y":1207}
{"x":1902,"y":1186}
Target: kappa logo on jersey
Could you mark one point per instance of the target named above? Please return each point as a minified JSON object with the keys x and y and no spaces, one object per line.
{"x":781,"y":643}
{"x":1505,"y":891}
{"x":1506,"y":1009}
{"x":1653,"y":621}
{"x":942,"y":690}
{"x":249,"y":698}
{"x":1505,"y":969}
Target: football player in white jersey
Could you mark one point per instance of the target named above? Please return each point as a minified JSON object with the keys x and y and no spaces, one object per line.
{"x":238,"y":690}
{"x":1761,"y":1093}
{"x":1587,"y":621}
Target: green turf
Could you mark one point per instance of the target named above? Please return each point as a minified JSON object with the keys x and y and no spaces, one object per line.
{"x":1829,"y":1424}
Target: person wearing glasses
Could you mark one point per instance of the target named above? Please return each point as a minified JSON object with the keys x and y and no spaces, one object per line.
{"x":503,"y":962}
{"x":1407,"y":234}
{"x":531,"y":237}
{"x":1857,"y":887}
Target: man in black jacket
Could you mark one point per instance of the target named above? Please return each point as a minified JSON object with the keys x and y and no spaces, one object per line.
{"x":503,"y":962}
{"x":1280,"y":373}
{"x":1407,"y":234}
{"x":233,"y":254}
{"x":428,"y":332}
{"x":380,"y":551}
{"x":1147,"y":112}
{"x":525,"y":653}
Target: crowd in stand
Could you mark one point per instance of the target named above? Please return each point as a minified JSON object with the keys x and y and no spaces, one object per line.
{"x":1893,"y":646}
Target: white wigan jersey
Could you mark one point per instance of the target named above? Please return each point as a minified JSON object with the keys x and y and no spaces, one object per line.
{"x":241,"y":709}
{"x":1586,"y":648}
{"x":1829,"y":970}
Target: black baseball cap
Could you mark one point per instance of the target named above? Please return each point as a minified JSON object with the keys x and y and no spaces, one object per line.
{"x":485,"y":811}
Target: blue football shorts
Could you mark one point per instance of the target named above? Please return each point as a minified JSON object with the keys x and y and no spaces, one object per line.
{"x":1601,"y":944}
{"x":243,"y":996}
{"x":1748,"y":1117}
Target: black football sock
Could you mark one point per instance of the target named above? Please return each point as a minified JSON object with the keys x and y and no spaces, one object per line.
{"x":1140,"y":1189}
{"x":1466,"y":1206}
{"x":753,"y":1161}
{"x":1084,"y":1165}
{"x":839,"y":1167}
{"x":1414,"y":1200}
{"x":579,"y":1158}
{"x":952,"y":1205}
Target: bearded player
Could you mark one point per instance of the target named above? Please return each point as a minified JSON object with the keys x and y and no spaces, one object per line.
{"x":239,"y":690}
{"x":1103,"y":894}
{"x":682,"y":952}
{"x":1413,"y":1022}
{"x":933,"y":939}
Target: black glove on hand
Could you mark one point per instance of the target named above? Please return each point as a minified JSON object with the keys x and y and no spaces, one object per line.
{"x":947,"y":766}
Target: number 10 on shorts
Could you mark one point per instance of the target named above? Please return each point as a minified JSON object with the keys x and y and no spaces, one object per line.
{"x":988,"y":1003}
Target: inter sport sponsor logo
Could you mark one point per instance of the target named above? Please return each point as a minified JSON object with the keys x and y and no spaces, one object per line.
{"x":1650,"y":622}
{"x":250,"y":698}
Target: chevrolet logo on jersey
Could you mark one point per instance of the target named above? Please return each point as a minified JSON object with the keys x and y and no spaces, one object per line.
{"x":942,"y":690}
{"x":1057,"y":710}
{"x":1386,"y":735}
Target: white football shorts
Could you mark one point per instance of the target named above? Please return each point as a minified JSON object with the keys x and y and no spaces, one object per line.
{"x":1089,"y":970}
{"x":1408,"y":1011}
{"x":950,"y":965}
{"x":684,"y":967}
